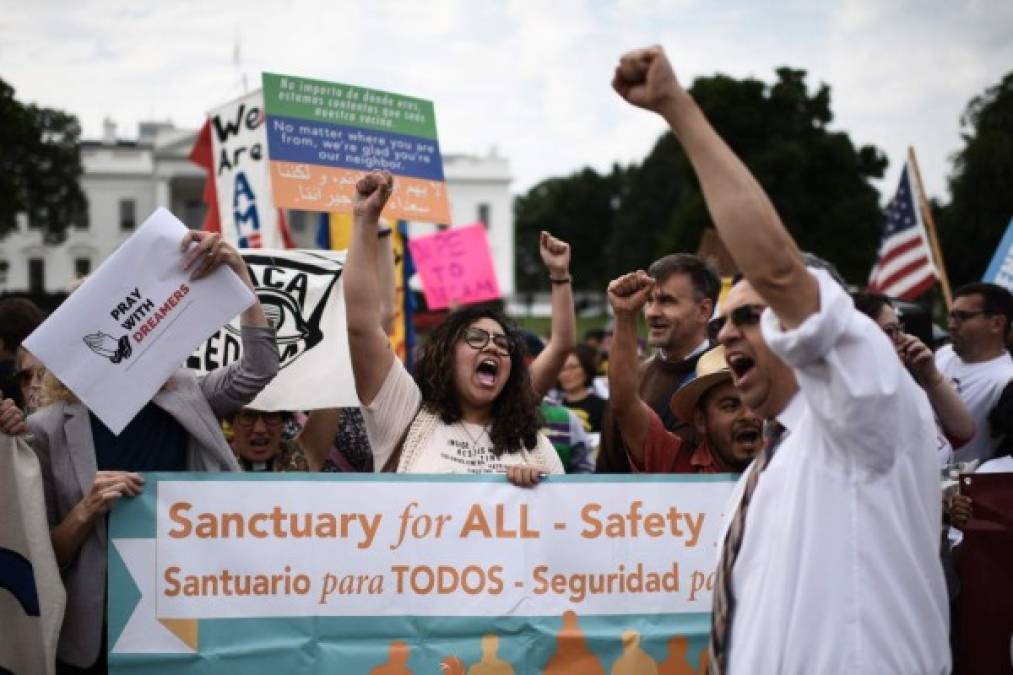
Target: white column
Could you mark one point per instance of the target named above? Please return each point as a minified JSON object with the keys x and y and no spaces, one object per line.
{"x":162,"y":193}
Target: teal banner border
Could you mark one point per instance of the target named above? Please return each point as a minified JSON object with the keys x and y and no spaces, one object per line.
{"x":358,"y":645}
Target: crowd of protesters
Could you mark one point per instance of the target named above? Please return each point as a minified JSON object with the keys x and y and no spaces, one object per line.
{"x":839,"y":421}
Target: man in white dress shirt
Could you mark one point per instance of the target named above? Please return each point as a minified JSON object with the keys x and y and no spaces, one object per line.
{"x":830,"y":561}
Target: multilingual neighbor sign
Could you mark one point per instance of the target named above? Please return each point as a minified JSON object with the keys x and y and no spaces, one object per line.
{"x":349,"y":572}
{"x":323,"y":136}
{"x":455,"y":266}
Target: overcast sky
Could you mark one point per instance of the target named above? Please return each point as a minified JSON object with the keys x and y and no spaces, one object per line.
{"x":528,"y":78}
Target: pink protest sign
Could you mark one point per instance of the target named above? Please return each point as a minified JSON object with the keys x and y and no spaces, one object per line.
{"x":455,"y":266}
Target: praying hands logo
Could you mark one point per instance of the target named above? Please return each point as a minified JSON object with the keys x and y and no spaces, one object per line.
{"x":108,"y":346}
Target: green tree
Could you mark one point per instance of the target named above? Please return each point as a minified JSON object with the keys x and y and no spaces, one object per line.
{"x":981,"y":185}
{"x":817,"y":178}
{"x":579,"y":209}
{"x":40,"y":166}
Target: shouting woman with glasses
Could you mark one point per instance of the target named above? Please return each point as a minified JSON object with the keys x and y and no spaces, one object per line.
{"x":470,"y":408}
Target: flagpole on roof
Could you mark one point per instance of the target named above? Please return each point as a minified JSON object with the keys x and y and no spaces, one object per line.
{"x":930,"y":227}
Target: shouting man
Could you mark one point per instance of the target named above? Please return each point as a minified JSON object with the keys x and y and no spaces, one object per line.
{"x":730,"y":433}
{"x":829,"y":562}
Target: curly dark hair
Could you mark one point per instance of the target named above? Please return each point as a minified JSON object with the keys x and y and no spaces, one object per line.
{"x":515,"y":412}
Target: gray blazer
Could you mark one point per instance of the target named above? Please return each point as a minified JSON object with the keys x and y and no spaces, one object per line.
{"x":61,"y":437}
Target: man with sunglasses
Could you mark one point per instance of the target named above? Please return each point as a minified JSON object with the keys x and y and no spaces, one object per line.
{"x":977,"y":361}
{"x":829,"y":560}
{"x":730,"y":433}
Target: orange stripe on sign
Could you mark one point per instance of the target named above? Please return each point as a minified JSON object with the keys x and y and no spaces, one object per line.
{"x":308,"y":187}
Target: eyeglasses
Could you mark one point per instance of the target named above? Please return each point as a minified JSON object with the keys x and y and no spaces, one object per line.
{"x":960,"y":316}
{"x":247,"y":418}
{"x":744,"y":315}
{"x":26,"y":376}
{"x":478,"y":338}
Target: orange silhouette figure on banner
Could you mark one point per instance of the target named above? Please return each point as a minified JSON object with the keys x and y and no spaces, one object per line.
{"x":572,"y":657}
{"x":490,"y":663}
{"x":676,"y":663}
{"x":397,"y":661}
{"x":451,"y":665}
{"x":634,"y":660}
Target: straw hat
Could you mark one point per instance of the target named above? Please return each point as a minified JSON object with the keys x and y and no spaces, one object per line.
{"x":711,"y":370}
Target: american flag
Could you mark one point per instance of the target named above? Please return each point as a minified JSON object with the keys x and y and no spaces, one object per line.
{"x":904,"y":268}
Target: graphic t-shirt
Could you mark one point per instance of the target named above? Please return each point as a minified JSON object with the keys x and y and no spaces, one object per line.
{"x":566,"y":433}
{"x":452,"y":448}
{"x":589,"y":410}
{"x":979,"y":385}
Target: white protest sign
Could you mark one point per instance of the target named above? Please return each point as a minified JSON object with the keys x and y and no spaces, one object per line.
{"x":227,"y":549}
{"x":301,"y":294}
{"x":117,"y":339}
{"x":249,"y":218}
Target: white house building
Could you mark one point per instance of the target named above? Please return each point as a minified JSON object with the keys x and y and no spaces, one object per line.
{"x":125,"y":180}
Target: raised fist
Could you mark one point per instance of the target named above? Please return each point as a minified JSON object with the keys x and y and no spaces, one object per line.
{"x":628,"y":293}
{"x":555,"y":254}
{"x":645,"y":78}
{"x":371,"y":194}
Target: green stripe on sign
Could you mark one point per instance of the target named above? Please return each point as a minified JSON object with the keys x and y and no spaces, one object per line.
{"x":343,"y":104}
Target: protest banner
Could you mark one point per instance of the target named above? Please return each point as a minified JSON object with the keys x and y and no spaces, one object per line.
{"x":247,"y":215}
{"x":116,"y":340}
{"x":349,"y":572}
{"x":301,"y":295}
{"x":323,"y":136}
{"x":455,"y":266}
{"x":1000,"y":270}
{"x":986,"y":576}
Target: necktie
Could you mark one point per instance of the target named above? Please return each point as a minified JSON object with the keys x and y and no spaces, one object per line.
{"x":724,"y":601}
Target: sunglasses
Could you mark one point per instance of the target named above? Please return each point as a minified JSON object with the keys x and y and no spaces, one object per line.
{"x":960,"y":316}
{"x":26,"y":376}
{"x":247,"y":418}
{"x":744,"y":315}
{"x":478,"y":338}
